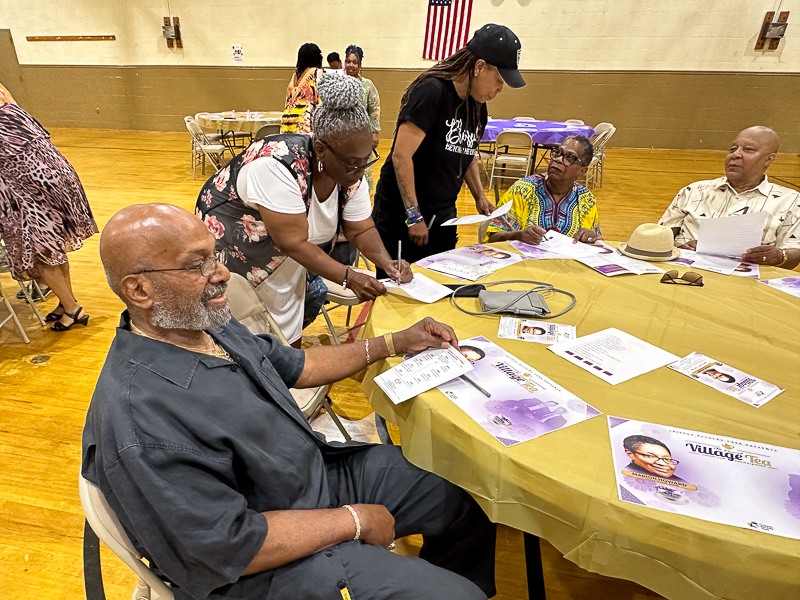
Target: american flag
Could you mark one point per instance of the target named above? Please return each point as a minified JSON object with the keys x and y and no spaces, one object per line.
{"x":447,"y":29}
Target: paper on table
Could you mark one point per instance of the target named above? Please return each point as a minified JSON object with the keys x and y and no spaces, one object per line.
{"x":731,"y":236}
{"x":535,"y":252}
{"x":715,"y":264}
{"x":422,"y":372}
{"x":524,"y":404}
{"x":531,"y":330}
{"x":562,"y":244}
{"x":420,"y":288}
{"x":470,"y":219}
{"x":613,"y":355}
{"x":611,"y":262}
{"x":730,"y":381}
{"x":470,"y":262}
{"x":716,"y":478}
{"x":790,"y":285}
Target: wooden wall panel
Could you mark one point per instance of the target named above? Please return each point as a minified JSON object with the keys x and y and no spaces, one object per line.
{"x":650,"y":108}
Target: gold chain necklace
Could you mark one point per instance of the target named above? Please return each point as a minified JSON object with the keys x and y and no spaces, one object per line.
{"x":215,"y":350}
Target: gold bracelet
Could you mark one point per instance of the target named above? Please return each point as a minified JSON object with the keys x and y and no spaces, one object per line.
{"x":785,"y":258}
{"x":366,"y":347}
{"x":389,"y":339}
{"x":356,"y":519}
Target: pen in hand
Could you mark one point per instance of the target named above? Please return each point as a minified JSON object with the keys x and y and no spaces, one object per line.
{"x":399,"y":260}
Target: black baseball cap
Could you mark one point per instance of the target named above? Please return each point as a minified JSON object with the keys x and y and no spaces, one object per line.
{"x":500,"y":47}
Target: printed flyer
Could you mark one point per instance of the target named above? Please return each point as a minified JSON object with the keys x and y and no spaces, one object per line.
{"x":532,"y":252}
{"x":470,"y":262}
{"x":509,"y":399}
{"x":423,"y":372}
{"x":711,"y":477}
{"x":747,"y":270}
{"x":790,"y":285}
{"x":730,"y":381}
{"x":531,"y":330}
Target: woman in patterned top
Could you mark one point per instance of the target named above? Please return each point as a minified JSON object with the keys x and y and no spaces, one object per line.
{"x":301,"y":95}
{"x":371,"y":101}
{"x":44,"y":212}
{"x":556,"y":202}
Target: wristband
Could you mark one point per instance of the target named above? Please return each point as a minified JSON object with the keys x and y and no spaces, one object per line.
{"x":389,"y":339}
{"x":356,"y":519}
{"x":413,"y":212}
{"x":414,"y":220}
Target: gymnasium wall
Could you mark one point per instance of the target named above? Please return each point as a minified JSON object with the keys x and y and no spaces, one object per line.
{"x":679,"y":74}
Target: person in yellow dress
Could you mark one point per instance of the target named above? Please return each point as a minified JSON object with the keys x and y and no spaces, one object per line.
{"x":556,"y":202}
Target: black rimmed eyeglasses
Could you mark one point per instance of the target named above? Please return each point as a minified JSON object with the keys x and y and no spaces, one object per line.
{"x":353,"y":170}
{"x":207,"y":268}
{"x":652,"y":458}
{"x":568,"y":158}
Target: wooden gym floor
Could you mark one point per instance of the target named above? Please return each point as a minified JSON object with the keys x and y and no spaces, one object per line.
{"x":47,"y":384}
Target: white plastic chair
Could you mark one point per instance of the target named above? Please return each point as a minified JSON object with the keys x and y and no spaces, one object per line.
{"x":513,"y":148}
{"x":203,"y":147}
{"x":247,"y":308}
{"x":106,"y":525}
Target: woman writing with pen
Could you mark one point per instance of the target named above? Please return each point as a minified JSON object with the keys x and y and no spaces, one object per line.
{"x":442,"y":117}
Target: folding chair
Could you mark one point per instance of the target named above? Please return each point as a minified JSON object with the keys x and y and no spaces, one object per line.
{"x":27,"y":292}
{"x":247,"y":308}
{"x":574,"y":122}
{"x":228,"y":138}
{"x":512,"y":148}
{"x":203,"y":148}
{"x":13,"y":315}
{"x":603,"y":133}
{"x":107,"y":527}
{"x":266,"y":130}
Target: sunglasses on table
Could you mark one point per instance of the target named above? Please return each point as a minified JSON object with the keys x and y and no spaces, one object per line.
{"x":349,"y":170}
{"x":688,"y":278}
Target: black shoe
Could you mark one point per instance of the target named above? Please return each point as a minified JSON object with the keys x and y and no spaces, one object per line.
{"x":84,"y":320}
{"x":46,"y":291}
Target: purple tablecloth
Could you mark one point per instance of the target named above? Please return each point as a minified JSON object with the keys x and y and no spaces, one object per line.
{"x":542,"y":132}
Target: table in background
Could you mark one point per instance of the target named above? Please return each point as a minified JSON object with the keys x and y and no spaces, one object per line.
{"x":238,"y":122}
{"x":561,"y":486}
{"x":543,"y":133}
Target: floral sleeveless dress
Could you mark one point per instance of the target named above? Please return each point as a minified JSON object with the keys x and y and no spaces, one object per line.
{"x":242,"y":240}
{"x":44,"y":212}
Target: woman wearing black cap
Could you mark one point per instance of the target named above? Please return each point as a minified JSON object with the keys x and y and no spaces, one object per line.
{"x":442,"y":117}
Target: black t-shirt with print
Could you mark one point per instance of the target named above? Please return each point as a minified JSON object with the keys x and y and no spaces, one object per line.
{"x":441,"y":160}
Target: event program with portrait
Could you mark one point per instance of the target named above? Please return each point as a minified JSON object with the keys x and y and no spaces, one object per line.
{"x":531,"y":330}
{"x":522,"y":403}
{"x":470,"y":262}
{"x":715,"y":478}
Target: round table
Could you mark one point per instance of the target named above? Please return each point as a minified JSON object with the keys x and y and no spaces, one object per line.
{"x":561,"y":486}
{"x":238,"y":121}
{"x":541,"y":132}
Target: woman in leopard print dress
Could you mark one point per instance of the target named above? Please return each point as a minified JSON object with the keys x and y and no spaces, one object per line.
{"x":44,"y":212}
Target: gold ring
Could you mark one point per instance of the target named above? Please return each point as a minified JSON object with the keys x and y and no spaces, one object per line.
{"x":391,"y":546}
{"x":763,"y":259}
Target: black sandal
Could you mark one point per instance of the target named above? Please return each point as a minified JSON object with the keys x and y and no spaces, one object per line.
{"x":54,"y":316}
{"x":59,"y":326}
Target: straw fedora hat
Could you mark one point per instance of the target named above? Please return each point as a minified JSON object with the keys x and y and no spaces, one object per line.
{"x":651,"y":242}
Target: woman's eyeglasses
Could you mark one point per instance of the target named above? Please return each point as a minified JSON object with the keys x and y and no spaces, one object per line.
{"x":688,"y":278}
{"x":353,"y":170}
{"x":568,"y":158}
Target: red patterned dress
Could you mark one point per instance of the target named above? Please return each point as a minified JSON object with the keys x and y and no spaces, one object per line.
{"x":44,"y":212}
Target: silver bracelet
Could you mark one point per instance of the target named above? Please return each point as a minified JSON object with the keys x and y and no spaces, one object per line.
{"x":366,"y":347}
{"x":356,"y":519}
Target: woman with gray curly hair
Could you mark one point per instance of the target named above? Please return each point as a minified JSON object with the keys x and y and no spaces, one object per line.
{"x":273,"y":205}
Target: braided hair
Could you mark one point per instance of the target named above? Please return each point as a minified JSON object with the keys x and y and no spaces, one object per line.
{"x":340,"y":112}
{"x":353,"y":49}
{"x":455,"y":67}
{"x":309,"y":55}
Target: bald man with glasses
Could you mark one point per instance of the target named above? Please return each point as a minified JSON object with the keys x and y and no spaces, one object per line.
{"x":555,"y":202}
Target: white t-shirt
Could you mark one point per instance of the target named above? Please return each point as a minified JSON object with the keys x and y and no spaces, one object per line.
{"x":265,"y":182}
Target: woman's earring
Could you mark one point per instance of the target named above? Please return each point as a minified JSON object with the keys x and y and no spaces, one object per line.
{"x":319,"y":164}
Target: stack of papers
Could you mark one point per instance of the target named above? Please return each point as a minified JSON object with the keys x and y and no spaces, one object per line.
{"x":715,"y":264}
{"x":600,"y":257}
{"x":470,"y":262}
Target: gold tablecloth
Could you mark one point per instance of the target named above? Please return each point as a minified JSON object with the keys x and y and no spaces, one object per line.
{"x":238,"y":121}
{"x":561,"y":486}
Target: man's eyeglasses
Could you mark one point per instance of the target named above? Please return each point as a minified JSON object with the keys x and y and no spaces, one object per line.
{"x":568,"y":158}
{"x":353,"y":170}
{"x":207,"y":268}
{"x":652,"y":458}
{"x":688,"y":278}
